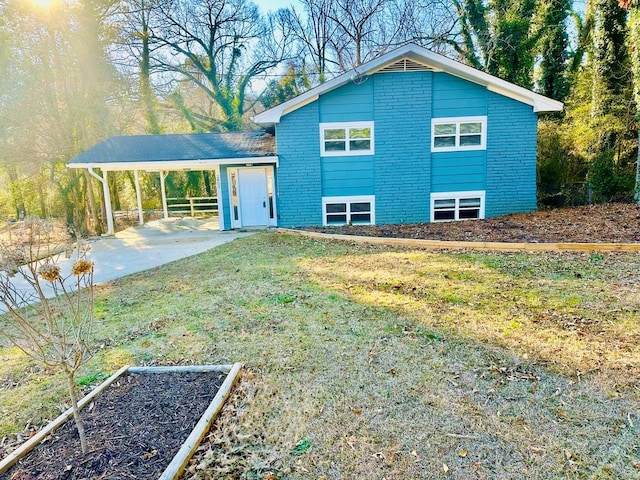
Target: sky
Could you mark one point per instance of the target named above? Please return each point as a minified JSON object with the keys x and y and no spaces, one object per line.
{"x":267,"y":5}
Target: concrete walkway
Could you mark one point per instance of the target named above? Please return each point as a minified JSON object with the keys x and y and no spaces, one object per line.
{"x":144,"y":247}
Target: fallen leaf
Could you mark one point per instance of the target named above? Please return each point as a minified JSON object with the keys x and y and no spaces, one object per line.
{"x":148,"y":455}
{"x":357,"y":411}
{"x":445,"y":469}
{"x":462,"y":453}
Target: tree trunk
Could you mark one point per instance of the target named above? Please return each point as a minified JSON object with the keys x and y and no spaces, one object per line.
{"x":207,"y":183}
{"x":16,"y":192}
{"x":636,"y":194}
{"x":95,"y":224}
{"x":76,"y":412}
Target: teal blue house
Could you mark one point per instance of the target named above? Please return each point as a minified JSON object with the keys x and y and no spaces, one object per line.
{"x":409,"y":137}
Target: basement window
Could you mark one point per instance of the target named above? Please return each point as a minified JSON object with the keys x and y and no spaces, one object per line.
{"x":348,"y":210}
{"x":453,"y":206}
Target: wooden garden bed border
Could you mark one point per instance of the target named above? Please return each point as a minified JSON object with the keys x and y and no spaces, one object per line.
{"x":180,"y":460}
{"x":489,"y":246}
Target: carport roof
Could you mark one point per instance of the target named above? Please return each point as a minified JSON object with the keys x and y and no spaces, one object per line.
{"x":177,"y":152}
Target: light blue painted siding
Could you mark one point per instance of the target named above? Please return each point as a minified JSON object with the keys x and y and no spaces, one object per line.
{"x":403,"y":172}
{"x":511,"y":157}
{"x":458,"y":171}
{"x":347,"y":176}
{"x":402,"y":132}
{"x":455,"y":97}
{"x":299,"y":171}
{"x":351,"y":103}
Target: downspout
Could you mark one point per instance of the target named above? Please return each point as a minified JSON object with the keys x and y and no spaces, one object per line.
{"x":107,"y":198}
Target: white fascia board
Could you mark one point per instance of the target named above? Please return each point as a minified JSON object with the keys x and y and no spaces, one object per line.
{"x":177,"y":165}
{"x":438,"y":62}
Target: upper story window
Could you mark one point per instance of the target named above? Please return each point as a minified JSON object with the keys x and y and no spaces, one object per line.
{"x":342,"y":139}
{"x":458,"y":133}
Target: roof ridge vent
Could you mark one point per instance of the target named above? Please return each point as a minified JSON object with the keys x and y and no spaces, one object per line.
{"x":405,"y":65}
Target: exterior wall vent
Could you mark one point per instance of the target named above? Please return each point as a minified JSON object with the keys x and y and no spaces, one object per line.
{"x":405,"y":65}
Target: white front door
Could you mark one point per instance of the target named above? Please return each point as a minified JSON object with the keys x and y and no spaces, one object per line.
{"x":253,"y":197}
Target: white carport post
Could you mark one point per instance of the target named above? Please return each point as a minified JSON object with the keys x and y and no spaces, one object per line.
{"x":136,"y":177}
{"x":163,"y":191}
{"x":216,"y":171}
{"x":107,"y":198}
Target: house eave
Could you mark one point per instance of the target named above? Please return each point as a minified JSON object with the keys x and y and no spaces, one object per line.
{"x":437,"y":62}
{"x":175,"y":165}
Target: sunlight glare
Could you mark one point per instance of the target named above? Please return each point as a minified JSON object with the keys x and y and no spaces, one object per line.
{"x":43,"y":3}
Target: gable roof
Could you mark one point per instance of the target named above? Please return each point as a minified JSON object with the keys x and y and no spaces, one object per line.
{"x":428,"y":59}
{"x":162,"y":152}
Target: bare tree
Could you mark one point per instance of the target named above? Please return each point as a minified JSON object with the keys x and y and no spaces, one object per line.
{"x":312,"y":30}
{"x":54,"y":330}
{"x":340,"y":35}
{"x":218,"y":45}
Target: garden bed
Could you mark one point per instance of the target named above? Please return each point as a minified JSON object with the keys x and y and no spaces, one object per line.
{"x":609,"y":223}
{"x":144,"y":423}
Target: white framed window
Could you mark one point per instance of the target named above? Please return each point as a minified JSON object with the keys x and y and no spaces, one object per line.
{"x":358,"y":210}
{"x":452,"y":206}
{"x":345,"y":139}
{"x":458,"y":134}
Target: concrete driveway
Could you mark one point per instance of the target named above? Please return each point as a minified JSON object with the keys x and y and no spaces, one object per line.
{"x":143,"y":247}
{"x":156,"y":243}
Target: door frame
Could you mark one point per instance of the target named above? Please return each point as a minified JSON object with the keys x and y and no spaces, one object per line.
{"x":269,"y":170}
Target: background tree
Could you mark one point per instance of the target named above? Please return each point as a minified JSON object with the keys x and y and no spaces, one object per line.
{"x":499,"y":37}
{"x":554,"y":42}
{"x":634,"y":40}
{"x":220,"y":46}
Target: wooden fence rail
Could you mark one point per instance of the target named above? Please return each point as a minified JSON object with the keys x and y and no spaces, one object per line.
{"x":192,"y":205}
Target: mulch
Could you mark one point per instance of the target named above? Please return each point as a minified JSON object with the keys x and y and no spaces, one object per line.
{"x":134,"y":429}
{"x":609,"y":223}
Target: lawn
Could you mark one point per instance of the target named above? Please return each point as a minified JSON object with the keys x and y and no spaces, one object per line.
{"x":372,"y":362}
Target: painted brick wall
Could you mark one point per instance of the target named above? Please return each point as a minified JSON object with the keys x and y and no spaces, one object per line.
{"x":402,"y":162}
{"x":299,"y":174}
{"x":403,"y":175}
{"x":455,"y":97}
{"x":511,"y":157}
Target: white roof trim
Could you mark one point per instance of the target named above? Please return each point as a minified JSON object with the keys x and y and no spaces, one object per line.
{"x":540,"y":103}
{"x":174,"y":165}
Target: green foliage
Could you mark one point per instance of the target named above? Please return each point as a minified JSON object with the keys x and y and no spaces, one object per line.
{"x":611,"y":76}
{"x":302,"y":446}
{"x":608,"y":180}
{"x":499,"y":37}
{"x":92,"y":378}
{"x":292,"y":83}
{"x":553,"y":50}
{"x":561,"y":173}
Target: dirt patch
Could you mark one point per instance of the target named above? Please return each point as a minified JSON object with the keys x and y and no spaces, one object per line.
{"x":134,"y":429}
{"x":611,"y":223}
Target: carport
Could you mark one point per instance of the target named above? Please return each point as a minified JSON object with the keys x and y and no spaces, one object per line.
{"x":244,"y":164}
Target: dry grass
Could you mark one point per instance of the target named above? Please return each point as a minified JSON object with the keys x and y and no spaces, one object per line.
{"x":367,"y":362}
